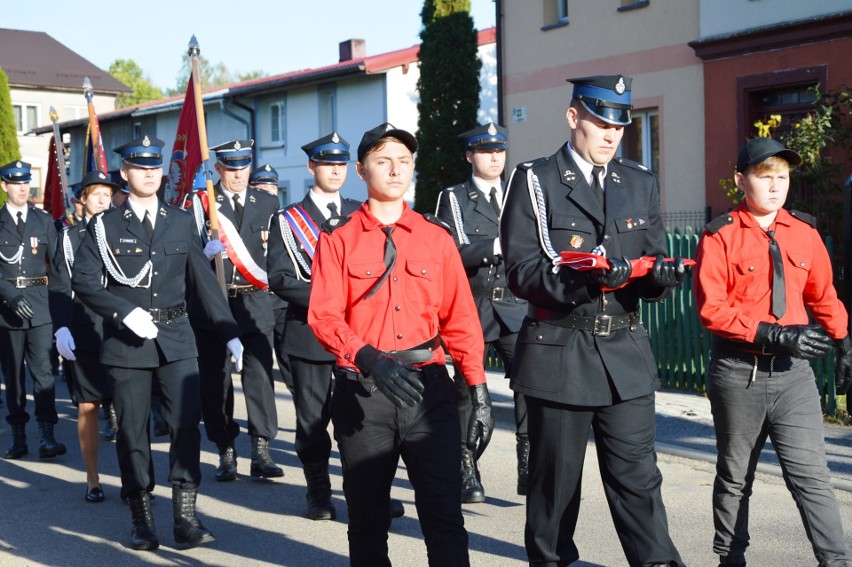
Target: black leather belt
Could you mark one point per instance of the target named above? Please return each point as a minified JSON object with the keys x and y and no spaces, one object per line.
{"x":21,"y":283}
{"x":599,"y":325}
{"x":418,"y":354}
{"x":493,"y":294}
{"x":723,"y":345}
{"x":169,"y":314}
{"x":238,"y":290}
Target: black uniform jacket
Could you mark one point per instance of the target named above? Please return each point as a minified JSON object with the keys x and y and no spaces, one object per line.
{"x":67,"y":310}
{"x":253,"y":312}
{"x":179,"y":266}
{"x":550,"y":207}
{"x":289,"y":280}
{"x":474,"y":225}
{"x":39,"y":246}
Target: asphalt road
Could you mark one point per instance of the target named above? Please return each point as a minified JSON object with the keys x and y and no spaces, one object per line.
{"x":45,"y":521}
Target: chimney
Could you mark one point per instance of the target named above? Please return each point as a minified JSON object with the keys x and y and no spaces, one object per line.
{"x":352,"y":49}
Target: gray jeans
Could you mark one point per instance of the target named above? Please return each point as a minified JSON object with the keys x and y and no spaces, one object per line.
{"x":781,"y":403}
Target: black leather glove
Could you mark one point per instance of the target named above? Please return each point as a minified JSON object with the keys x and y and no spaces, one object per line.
{"x":618,"y":273}
{"x":669,"y":273}
{"x":800,"y":341}
{"x":481,"y":424}
{"x":398,"y":380}
{"x":843,"y":365}
{"x":21,"y":307}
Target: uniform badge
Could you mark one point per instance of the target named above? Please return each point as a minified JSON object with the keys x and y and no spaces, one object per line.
{"x":138,"y":251}
{"x":569,"y":175}
{"x":491,"y":129}
{"x":629,"y":223}
{"x":220,"y":198}
{"x":251,"y":198}
{"x":615,"y":177}
{"x":146,"y":142}
{"x":335,"y":138}
{"x":127,"y":213}
{"x":34,"y":244}
{"x":18,"y":164}
{"x":264,"y":235}
{"x":162,"y":212}
{"x":127,"y":241}
{"x":267,"y":168}
{"x":237,"y":145}
{"x":576,"y":241}
{"x":620,"y":87}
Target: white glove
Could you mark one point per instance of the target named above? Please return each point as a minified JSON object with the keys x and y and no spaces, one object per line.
{"x":212,"y":248}
{"x":235,"y":346}
{"x":65,"y":343}
{"x":140,"y":322}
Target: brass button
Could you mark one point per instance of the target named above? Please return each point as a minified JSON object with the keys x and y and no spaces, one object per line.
{"x":539,"y":338}
{"x":347,"y":356}
{"x":397,"y":308}
{"x":399,"y":336}
{"x":422,"y":272}
{"x":751,"y":268}
{"x":606,"y":237}
{"x":396,"y":279}
{"x":369,"y":273}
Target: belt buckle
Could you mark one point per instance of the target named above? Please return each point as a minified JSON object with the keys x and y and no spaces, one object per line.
{"x":498,"y":294}
{"x":20,"y":282}
{"x":155,"y":315}
{"x":602,"y":326}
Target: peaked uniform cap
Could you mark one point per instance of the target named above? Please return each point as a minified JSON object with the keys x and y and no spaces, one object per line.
{"x":16,"y":172}
{"x":486,"y":137}
{"x":235,"y":154}
{"x":144,"y":152}
{"x":385,"y":130}
{"x":94,"y":177}
{"x":264,"y":174}
{"x":605,"y":96}
{"x":331,"y":148}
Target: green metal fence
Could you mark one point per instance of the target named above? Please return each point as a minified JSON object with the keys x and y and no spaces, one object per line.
{"x":682,"y":346}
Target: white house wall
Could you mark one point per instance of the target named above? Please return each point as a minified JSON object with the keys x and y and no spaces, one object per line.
{"x":723,"y":17}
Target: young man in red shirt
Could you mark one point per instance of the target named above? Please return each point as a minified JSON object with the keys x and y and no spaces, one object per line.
{"x":760,"y":270}
{"x":388,"y":287}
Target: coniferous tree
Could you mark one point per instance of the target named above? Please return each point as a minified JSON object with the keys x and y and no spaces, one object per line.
{"x":449,"y":97}
{"x":9,"y":149}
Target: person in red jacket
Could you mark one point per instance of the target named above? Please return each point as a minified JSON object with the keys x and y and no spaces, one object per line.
{"x":760,"y":270}
{"x":388,"y":291}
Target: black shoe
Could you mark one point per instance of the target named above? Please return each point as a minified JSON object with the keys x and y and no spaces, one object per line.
{"x":397,"y":510}
{"x":143,"y":536}
{"x":95,"y":495}
{"x":318,"y":496}
{"x":189,"y":530}
{"x":125,"y":501}
{"x":261,"y":462}
{"x":472,"y":490}
{"x":48,"y":447}
{"x":18,"y":448}
{"x":227,"y":469}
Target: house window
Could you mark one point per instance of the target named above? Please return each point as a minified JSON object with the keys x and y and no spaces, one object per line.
{"x":641,"y":141}
{"x":791,"y":103}
{"x":278,"y":122}
{"x":26,"y":117}
{"x":327,"y":109}
{"x":137,"y":130}
{"x":632,"y":5}
{"x":555,"y":14}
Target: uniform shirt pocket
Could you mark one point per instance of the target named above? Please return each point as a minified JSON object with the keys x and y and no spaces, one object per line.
{"x":175,"y":247}
{"x":632,"y":222}
{"x":751,"y":276}
{"x":572,"y":232}
{"x":797,"y":266}
{"x":362,"y":276}
{"x":421,"y":281}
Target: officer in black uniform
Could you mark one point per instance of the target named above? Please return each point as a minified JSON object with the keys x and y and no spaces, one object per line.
{"x":27,"y":244}
{"x":265,"y":178}
{"x":472,"y":210}
{"x":135,"y":268}
{"x":243,"y":216}
{"x":292,"y":237}
{"x":583,"y":360}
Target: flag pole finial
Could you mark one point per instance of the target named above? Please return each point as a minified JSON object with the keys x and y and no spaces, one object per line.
{"x":194,"y":49}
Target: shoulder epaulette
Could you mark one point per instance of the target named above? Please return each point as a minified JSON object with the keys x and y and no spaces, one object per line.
{"x":804,"y":217}
{"x":530,"y":164}
{"x":719,"y":222}
{"x":633,"y":165}
{"x":435,"y":220}
{"x":328,"y":228}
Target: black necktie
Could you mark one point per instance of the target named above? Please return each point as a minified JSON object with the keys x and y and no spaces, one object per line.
{"x":333,"y":208}
{"x":495,"y":202}
{"x":20,"y":226}
{"x":779,"y":292}
{"x":238,"y":210}
{"x":597,"y":188}
{"x":390,"y":261}
{"x":148,"y":226}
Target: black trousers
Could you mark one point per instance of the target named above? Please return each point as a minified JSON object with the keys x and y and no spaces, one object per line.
{"x":312,"y":396}
{"x":33,"y":346}
{"x":505,"y":347}
{"x":372,"y":435}
{"x":217,"y":389}
{"x":181,"y":408}
{"x":624,"y":438}
{"x":278,"y":334}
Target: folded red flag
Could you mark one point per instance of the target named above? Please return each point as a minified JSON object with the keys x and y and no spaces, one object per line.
{"x":583,"y":261}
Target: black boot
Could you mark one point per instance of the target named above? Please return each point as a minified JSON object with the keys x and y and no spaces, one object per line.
{"x":261,"y":462}
{"x":320,"y":506}
{"x":143,"y":536}
{"x":523,"y":447}
{"x":161,"y":427}
{"x":111,"y":429}
{"x":18,"y":448}
{"x":472,"y":490}
{"x":47,"y":446}
{"x":227,"y":469}
{"x":188,"y":529}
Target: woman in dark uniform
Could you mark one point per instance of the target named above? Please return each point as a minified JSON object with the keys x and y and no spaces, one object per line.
{"x":79,"y":331}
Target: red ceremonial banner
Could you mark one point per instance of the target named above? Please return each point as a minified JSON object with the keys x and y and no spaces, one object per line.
{"x":186,"y":152}
{"x":54,"y":201}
